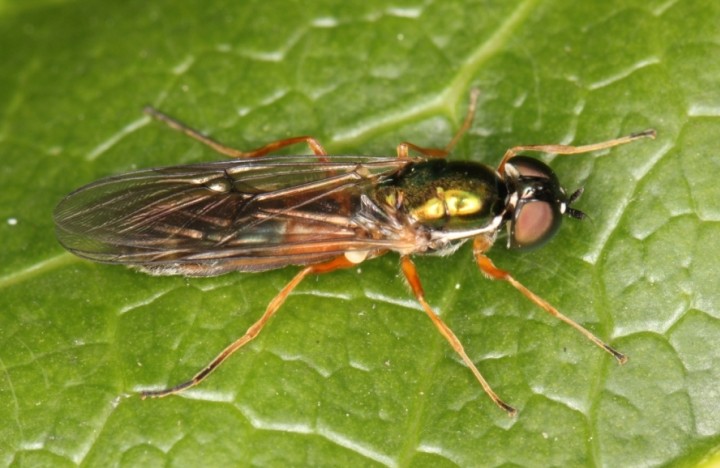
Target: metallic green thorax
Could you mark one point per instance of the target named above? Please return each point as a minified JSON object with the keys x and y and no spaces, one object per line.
{"x":447,"y":195}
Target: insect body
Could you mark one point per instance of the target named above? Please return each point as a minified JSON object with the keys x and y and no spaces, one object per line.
{"x":322,"y":213}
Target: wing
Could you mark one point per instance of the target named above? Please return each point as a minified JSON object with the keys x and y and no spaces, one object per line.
{"x":207,"y":219}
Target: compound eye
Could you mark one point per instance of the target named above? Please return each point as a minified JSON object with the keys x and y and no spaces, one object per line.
{"x":531,"y":167}
{"x":535,"y":223}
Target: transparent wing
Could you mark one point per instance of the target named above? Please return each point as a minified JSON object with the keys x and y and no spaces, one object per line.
{"x":206,"y":219}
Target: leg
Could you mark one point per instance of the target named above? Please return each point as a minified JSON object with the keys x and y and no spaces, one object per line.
{"x":408,"y":268}
{"x":404,"y":147}
{"x":314,"y":145}
{"x":565,"y":149}
{"x":255,"y":328}
{"x":481,"y":245}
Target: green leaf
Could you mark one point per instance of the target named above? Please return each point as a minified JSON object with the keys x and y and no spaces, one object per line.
{"x":350,"y":371}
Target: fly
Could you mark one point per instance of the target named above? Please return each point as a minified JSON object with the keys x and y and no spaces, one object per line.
{"x":322,"y":213}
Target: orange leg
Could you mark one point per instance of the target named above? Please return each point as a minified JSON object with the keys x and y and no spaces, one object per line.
{"x":255,"y":328}
{"x":408,"y":268}
{"x":314,"y":145}
{"x":482,"y":244}
{"x":565,"y":149}
{"x":403,"y":149}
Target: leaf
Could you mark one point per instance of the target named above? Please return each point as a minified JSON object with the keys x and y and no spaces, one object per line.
{"x":351,"y":372}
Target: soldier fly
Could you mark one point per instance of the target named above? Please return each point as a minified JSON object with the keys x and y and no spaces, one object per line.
{"x":322,"y":213}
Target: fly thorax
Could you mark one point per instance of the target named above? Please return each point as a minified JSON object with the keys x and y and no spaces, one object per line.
{"x":447,"y":197}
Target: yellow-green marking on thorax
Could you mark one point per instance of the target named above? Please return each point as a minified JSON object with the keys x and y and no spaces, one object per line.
{"x":448,"y":203}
